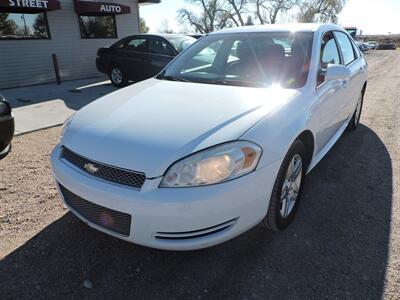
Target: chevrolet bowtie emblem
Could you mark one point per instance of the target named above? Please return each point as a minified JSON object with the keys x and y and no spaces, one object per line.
{"x":91,"y":168}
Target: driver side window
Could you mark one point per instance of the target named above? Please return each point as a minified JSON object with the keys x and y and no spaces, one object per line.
{"x":329,"y":55}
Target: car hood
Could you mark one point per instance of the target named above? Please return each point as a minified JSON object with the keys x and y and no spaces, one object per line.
{"x":149,"y":125}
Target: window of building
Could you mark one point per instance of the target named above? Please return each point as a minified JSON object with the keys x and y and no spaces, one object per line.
{"x":97,"y":27}
{"x":24,"y":26}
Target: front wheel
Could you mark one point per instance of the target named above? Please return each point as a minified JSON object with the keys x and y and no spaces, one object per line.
{"x":5,"y":151}
{"x":118,"y":77}
{"x":288,"y":187}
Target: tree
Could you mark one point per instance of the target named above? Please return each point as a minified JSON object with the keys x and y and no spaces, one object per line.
{"x":212,"y":15}
{"x":39,"y":27}
{"x":320,"y":10}
{"x":7,"y":27}
{"x":143,"y":26}
{"x":249,"y":21}
{"x":267,"y":11}
{"x":164,"y":27}
{"x":235,"y":9}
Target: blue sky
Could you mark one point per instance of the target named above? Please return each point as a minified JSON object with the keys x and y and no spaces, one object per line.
{"x":372,"y":16}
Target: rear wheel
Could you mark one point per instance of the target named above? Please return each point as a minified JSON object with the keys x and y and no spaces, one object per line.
{"x":118,"y":77}
{"x":288,"y":187}
{"x":355,"y":120}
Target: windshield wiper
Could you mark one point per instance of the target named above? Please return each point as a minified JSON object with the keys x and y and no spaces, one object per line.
{"x":172,"y":78}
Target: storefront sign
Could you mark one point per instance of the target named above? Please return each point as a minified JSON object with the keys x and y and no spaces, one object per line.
{"x":30,"y":4}
{"x":101,"y":8}
{"x":106,"y":8}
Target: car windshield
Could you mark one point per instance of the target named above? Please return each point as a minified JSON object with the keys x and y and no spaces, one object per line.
{"x":245,"y":59}
{"x":181,"y":43}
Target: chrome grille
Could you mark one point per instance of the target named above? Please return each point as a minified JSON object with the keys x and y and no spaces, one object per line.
{"x":107,"y":218}
{"x":105,"y":172}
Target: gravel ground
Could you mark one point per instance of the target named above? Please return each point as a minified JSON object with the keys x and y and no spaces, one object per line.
{"x":344,"y":243}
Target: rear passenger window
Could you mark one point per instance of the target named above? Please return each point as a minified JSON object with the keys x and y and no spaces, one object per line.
{"x":346,"y":47}
{"x":356,"y":50}
{"x":138,"y":45}
{"x":160,"y":47}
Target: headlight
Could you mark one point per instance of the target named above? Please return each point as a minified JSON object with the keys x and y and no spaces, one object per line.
{"x":213,"y":165}
{"x":66,"y":124}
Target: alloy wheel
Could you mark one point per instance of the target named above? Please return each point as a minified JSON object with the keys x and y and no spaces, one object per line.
{"x":116,"y":76}
{"x":291,"y":186}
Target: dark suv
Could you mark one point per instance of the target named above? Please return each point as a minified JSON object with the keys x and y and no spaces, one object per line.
{"x":140,"y":57}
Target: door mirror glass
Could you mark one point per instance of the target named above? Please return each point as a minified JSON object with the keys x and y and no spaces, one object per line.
{"x":334,"y":72}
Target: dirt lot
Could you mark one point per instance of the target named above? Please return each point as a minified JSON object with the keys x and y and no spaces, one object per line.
{"x":344,"y":243}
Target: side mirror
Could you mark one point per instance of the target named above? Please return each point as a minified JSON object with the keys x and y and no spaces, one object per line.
{"x":334,"y":72}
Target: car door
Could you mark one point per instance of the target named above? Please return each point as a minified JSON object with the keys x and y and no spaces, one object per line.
{"x":353,"y":86}
{"x":327,"y":117}
{"x":132,"y":57}
{"x":160,"y":54}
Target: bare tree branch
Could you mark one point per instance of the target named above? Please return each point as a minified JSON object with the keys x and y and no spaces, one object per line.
{"x":212,"y":16}
{"x":320,"y":10}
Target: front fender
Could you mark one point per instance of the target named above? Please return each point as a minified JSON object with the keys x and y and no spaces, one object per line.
{"x":277,"y":131}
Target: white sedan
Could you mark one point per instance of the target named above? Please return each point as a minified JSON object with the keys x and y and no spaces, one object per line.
{"x":220,"y":141}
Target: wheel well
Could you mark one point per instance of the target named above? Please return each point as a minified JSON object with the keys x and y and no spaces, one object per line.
{"x":308,"y":139}
{"x":111,"y":65}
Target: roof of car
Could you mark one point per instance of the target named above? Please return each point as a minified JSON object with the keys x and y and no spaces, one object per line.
{"x":173,"y":35}
{"x":165,"y":35}
{"x":311,"y":27}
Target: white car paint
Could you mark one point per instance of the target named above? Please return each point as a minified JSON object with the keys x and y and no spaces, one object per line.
{"x":150,"y":125}
{"x":128,"y":121}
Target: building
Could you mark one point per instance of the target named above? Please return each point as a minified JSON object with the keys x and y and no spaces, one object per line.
{"x":31,"y":31}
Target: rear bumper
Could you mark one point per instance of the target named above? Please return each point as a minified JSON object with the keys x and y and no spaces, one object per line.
{"x":174,"y":218}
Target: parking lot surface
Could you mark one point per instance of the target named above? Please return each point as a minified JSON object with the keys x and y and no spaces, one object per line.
{"x":344,"y":242}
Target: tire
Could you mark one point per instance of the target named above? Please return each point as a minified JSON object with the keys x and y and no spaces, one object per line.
{"x":117,"y":76}
{"x":276,"y":220}
{"x":355,"y":119}
{"x":4,"y":152}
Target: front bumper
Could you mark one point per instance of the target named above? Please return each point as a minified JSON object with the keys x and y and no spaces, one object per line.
{"x":174,"y":218}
